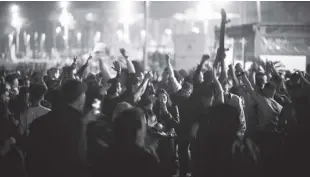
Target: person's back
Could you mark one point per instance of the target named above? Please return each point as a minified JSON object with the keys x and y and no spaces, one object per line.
{"x":56,"y":142}
{"x":215,"y":149}
{"x":126,"y":156}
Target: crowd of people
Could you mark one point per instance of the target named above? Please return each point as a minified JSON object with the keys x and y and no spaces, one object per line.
{"x":214,"y":122}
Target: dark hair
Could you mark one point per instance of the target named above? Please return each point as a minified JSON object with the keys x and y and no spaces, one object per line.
{"x":163,"y":91}
{"x":112,"y":89}
{"x":126,"y":125}
{"x":187,"y":86}
{"x":10,"y":78}
{"x":37,"y":91}
{"x":72,"y":89}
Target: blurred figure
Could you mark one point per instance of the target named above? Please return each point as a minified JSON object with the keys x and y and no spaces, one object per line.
{"x":127,"y":156}
{"x":57,"y":141}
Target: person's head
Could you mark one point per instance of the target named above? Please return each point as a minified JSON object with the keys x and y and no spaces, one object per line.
{"x":133,"y":84}
{"x":260,"y":79}
{"x":269,"y":90}
{"x":163,"y":97}
{"x":187,"y":88}
{"x":4,"y":92}
{"x":115,"y":88}
{"x":294,"y":79}
{"x":130,"y":128}
{"x":27,"y":82}
{"x":226,"y":86}
{"x":120,"y":107}
{"x":147,"y":101}
{"x":12,"y":79}
{"x":73,"y":92}
{"x":53,"y":73}
{"x":37,"y":92}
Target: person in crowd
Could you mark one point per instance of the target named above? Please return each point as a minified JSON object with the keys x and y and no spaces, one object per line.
{"x":11,"y":156}
{"x":35,"y":110}
{"x":169,"y":81}
{"x":57,"y":140}
{"x":167,"y":115}
{"x":215,"y":151}
{"x":127,"y":156}
{"x":183,"y":130}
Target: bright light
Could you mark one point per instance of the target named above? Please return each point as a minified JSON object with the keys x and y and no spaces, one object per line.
{"x":203,"y":9}
{"x":65,"y":37}
{"x":219,"y":3}
{"x":142,"y":33}
{"x":64,"y":4}
{"x":65,"y":17}
{"x":195,"y":30}
{"x":16,"y":21}
{"x":153,"y":43}
{"x":278,"y":47}
{"x":28,"y":38}
{"x":14,"y":8}
{"x":58,"y":29}
{"x":97,"y":36}
{"x":168,"y":31}
{"x":43,"y":36}
{"x":36,"y":35}
{"x":89,"y":16}
{"x":11,"y":36}
{"x":79,"y":36}
{"x":119,"y":34}
{"x":179,"y":16}
{"x":126,"y":12}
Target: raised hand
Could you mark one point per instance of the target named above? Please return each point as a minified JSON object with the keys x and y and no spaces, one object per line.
{"x":124,"y":52}
{"x":89,"y":58}
{"x":238,"y":68}
{"x":168,"y":58}
{"x":205,"y":58}
{"x":74,"y":59}
{"x":116,"y":67}
{"x":148,"y":75}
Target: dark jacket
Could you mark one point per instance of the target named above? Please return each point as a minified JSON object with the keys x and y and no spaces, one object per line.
{"x":57,"y":145}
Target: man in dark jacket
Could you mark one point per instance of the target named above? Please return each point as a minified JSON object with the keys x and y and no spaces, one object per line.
{"x":57,"y":140}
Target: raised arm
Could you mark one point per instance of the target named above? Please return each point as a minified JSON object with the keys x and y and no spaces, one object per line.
{"x":232,"y":73}
{"x":130,"y":66}
{"x":224,"y":76}
{"x":218,"y":87}
{"x":176,"y":86}
{"x":141,"y":89}
{"x":197,"y":73}
{"x":82,"y":70}
{"x":104,"y":70}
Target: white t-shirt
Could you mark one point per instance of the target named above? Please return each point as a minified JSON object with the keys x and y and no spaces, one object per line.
{"x":31,"y":114}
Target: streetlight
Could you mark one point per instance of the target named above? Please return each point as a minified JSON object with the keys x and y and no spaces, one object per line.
{"x":16,"y":23}
{"x":168,"y":31}
{"x":58,"y":30}
{"x":195,"y":30}
{"x":126,"y":17}
{"x":14,"y":8}
{"x":64,"y":4}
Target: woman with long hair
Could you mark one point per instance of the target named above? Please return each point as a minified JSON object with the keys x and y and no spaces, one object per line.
{"x":167,"y":115}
